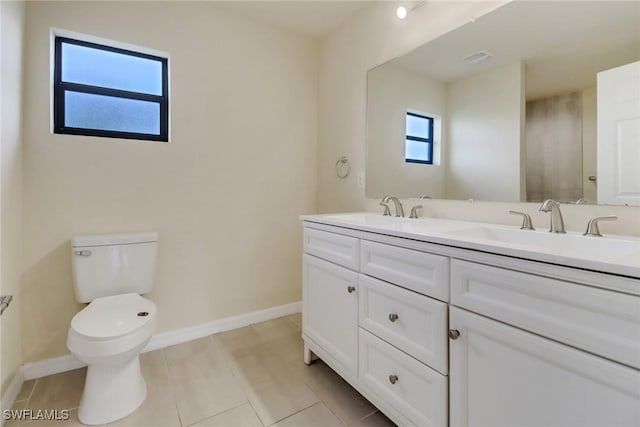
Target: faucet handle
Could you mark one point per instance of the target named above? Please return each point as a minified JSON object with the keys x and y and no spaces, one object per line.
{"x":414,"y":211}
{"x":527,"y":224}
{"x":592,"y":227}
{"x":387,"y":211}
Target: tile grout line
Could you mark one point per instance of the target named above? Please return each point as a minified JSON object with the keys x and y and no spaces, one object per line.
{"x":26,"y":399}
{"x":171,"y":385}
{"x":296,"y":412}
{"x":255,"y":413}
{"x":216,"y":346}
{"x":231,"y":362}
{"x":219,"y":413}
{"x":368,"y":415}
{"x":344,"y":423}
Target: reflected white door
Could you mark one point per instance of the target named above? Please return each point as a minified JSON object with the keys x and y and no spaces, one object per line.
{"x":619,"y":135}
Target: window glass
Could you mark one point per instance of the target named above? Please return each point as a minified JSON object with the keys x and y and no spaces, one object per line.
{"x":418,"y":139}
{"x":418,"y":126}
{"x":417,"y":150}
{"x":105,"y":91}
{"x":89,"y":111}
{"x":96,"y":67}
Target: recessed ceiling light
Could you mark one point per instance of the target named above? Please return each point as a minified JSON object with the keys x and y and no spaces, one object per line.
{"x":401,"y":12}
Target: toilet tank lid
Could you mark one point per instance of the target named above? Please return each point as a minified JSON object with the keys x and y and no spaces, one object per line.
{"x":113,"y":239}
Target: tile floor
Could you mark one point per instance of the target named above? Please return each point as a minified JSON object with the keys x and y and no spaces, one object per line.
{"x":253,"y":376}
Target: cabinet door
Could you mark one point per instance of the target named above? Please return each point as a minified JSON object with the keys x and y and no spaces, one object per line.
{"x":330,"y":310}
{"x":503,"y":376}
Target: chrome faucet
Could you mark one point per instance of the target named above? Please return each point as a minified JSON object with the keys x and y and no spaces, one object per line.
{"x":527,"y":224}
{"x":396,"y":202}
{"x":386,"y":212}
{"x":557,"y":223}
{"x":592,"y":227}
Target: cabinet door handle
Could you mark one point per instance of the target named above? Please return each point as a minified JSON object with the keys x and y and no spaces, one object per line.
{"x":393,"y":317}
{"x":351,"y":289}
{"x":454,"y":334}
{"x":393,"y":379}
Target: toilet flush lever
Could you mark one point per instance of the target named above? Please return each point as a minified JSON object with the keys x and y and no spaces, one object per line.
{"x":82,"y":253}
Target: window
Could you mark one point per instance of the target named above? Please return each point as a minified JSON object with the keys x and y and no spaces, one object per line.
{"x":419,"y":139}
{"x":111,"y":92}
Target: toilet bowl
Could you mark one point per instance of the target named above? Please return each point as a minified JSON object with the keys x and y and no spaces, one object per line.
{"x":108,"y":335}
{"x":110,"y":272}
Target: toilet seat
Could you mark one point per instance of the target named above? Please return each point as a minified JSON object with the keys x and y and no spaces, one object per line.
{"x":109,"y":329}
{"x":112,"y":317}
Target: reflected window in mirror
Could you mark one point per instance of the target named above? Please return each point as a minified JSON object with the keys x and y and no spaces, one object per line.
{"x":419,"y":139}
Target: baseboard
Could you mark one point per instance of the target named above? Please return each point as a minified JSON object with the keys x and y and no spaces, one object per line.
{"x":164,"y":339}
{"x":177,"y":336}
{"x":55,"y":365}
{"x":11,"y":393}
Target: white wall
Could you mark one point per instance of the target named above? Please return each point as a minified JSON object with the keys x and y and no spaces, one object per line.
{"x":224,"y":195}
{"x":12,"y":27}
{"x":392,"y":91}
{"x":371,"y":38}
{"x":484,"y":128}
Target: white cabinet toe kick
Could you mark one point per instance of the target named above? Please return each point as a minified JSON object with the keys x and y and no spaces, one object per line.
{"x":439,"y":336}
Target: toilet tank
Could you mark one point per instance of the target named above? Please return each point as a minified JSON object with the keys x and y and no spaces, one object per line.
{"x":112,"y":264}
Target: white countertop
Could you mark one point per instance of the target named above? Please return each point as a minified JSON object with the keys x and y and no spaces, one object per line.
{"x":609,"y":254}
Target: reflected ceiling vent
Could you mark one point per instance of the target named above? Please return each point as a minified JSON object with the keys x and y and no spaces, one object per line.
{"x":477,"y":57}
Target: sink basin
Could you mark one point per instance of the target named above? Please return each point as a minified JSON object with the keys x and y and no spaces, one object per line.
{"x":573,"y":245}
{"x":612,"y":254}
{"x":365,"y":219}
{"x":379,"y":222}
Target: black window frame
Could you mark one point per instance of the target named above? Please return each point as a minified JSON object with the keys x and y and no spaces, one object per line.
{"x":428,"y":141}
{"x":59,"y":88}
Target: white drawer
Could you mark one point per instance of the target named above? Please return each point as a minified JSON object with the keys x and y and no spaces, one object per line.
{"x":603,"y":322}
{"x":420,"y":393}
{"x":342,"y":250}
{"x":412,"y":322}
{"x":422,"y":272}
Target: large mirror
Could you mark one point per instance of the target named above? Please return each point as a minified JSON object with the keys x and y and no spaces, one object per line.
{"x":525,"y":103}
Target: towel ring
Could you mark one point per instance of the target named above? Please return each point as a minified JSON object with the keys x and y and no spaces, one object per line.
{"x":343,"y":167}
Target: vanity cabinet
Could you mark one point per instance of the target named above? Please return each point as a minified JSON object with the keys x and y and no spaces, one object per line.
{"x":370,"y":312}
{"x":402,"y":382}
{"x":409,"y":321}
{"x":436,"y":335}
{"x":330,"y":310}
{"x":534,"y":350}
{"x":503,"y":376}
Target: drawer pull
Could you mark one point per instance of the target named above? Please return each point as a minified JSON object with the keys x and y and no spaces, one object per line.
{"x":393,"y":379}
{"x":393,"y":317}
{"x":351,"y":289}
{"x":454,"y":334}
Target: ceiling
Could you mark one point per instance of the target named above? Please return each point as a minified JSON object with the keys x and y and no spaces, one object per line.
{"x":313,"y":18}
{"x":563,"y":44}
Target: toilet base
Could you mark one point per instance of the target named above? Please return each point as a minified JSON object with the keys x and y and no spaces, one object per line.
{"x":111,"y":392}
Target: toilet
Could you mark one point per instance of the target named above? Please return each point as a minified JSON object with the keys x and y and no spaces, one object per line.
{"x":110,"y":272}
